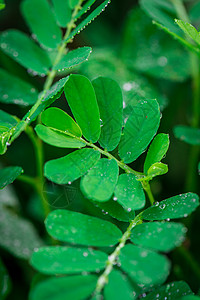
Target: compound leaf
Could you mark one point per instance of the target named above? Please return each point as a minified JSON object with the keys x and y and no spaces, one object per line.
{"x":88,"y":19}
{"x":187,"y":134}
{"x":58,"y":119}
{"x":76,"y":287}
{"x":129,"y":192}
{"x":72,"y":166}
{"x":30,"y":56}
{"x":67,"y":260}
{"x":18,"y":236}
{"x":159,"y":236}
{"x":42,"y":23}
{"x":157,"y":150}
{"x":139,"y":130}
{"x":57,"y":138}
{"x":73,"y":58}
{"x":170,"y":291}
{"x":16,"y":91}
{"x":110,"y":102}
{"x":118,"y":287}
{"x":99,"y":183}
{"x":82,"y":101}
{"x":8,"y":175}
{"x":189,"y":30}
{"x":62,"y":12}
{"x":77,"y":228}
{"x":144,"y":266}
{"x":5,"y":283}
{"x":175,"y":207}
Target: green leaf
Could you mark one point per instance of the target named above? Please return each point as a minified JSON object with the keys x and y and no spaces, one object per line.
{"x":73,"y":3}
{"x":99,"y":183}
{"x":187,"y":134}
{"x":58,"y":119}
{"x":189,"y":297}
{"x":170,"y":291}
{"x":5,"y":134}
{"x":129,"y":192}
{"x":30,"y":56}
{"x":8,"y":175}
{"x":56,"y":138}
{"x":7,"y":120}
{"x":73,"y":58}
{"x":67,"y":260}
{"x":88,"y":19}
{"x":43,"y":27}
{"x":13,"y":90}
{"x":62,"y":11}
{"x":194,"y":12}
{"x":139,"y":130}
{"x":144,"y":266}
{"x":76,"y":287}
{"x":118,"y":287}
{"x":157,"y":169}
{"x":189,"y":30}
{"x":2,"y":4}
{"x":18,"y":236}
{"x":72,"y":166}
{"x":159,"y":236}
{"x":76,"y":228}
{"x":157,"y":150}
{"x":172,"y":208}
{"x":110,"y":102}
{"x":5,"y":283}
{"x":84,"y":8}
{"x":161,"y":11}
{"x":115,"y":210}
{"x":164,"y":59}
{"x":82,"y":101}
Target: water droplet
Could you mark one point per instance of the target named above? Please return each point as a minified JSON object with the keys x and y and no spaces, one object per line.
{"x":115,"y":198}
{"x":85,"y":254}
{"x":162,"y":206}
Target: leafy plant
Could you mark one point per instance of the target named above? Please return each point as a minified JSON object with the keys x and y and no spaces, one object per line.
{"x":117,"y":246}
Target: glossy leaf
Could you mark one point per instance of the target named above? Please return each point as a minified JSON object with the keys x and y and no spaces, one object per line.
{"x":13,"y":90}
{"x":5,"y":134}
{"x":175,"y":207}
{"x":88,"y":19}
{"x":129,"y":192}
{"x":157,"y":169}
{"x":99,"y":183}
{"x":118,"y":287}
{"x":58,"y":119}
{"x":170,"y":291}
{"x":115,"y":210}
{"x":56,"y":138}
{"x":189,"y":30}
{"x":187,"y":134}
{"x":139,"y":130}
{"x":18,"y":236}
{"x":67,"y":260}
{"x":72,"y":166}
{"x":150,"y":51}
{"x":44,"y":27}
{"x":76,"y":228}
{"x":110,"y":102}
{"x":161,"y":11}
{"x":76,"y":287}
{"x":73,"y":58}
{"x":8,"y":175}
{"x":84,"y":8}
{"x":82,"y":101}
{"x":157,"y":150}
{"x":5,"y":283}
{"x":62,"y":12}
{"x":159,"y":236}
{"x":30,"y":56}
{"x":144,"y":266}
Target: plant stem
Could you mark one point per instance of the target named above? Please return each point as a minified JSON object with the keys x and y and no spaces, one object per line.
{"x":191,"y":181}
{"x":27,"y":179}
{"x":147,"y":188}
{"x":112,"y":259}
{"x":21,"y":126}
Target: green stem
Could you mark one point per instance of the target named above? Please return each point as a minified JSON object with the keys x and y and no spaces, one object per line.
{"x":27,"y":179}
{"x":50,"y":77}
{"x":147,"y":188}
{"x":112,"y":259}
{"x":191,"y":181}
